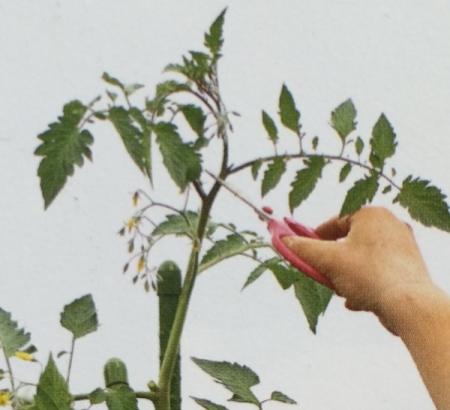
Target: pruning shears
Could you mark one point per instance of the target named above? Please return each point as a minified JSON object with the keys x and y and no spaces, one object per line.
{"x":280,"y":229}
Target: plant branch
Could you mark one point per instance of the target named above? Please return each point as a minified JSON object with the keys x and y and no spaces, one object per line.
{"x":11,"y":377}
{"x":329,"y":157}
{"x":72,"y":349}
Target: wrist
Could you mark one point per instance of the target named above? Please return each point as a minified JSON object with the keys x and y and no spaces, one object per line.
{"x":406,"y":306}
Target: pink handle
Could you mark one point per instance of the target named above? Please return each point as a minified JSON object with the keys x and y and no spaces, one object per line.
{"x":290,"y":227}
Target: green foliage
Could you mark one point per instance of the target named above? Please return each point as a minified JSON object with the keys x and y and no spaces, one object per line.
{"x":63,"y":146}
{"x":121,"y":397}
{"x":289,"y":115}
{"x":80,"y":317}
{"x":181,"y":160}
{"x":164,"y":90}
{"x":273,"y":175}
{"x":136,"y":141}
{"x":256,"y":166}
{"x":260,"y":269}
{"x":232,"y":245}
{"x":270,"y":127}
{"x":285,"y":276}
{"x":359,"y":146}
{"x":208,"y":405}
{"x":182,"y":224}
{"x":128,"y":89}
{"x":361,"y":193}
{"x":313,"y":298}
{"x":345,"y":170}
{"x":12,"y":339}
{"x":52,"y":391}
{"x":278,"y":396}
{"x":425,"y":203}
{"x":382,"y":142}
{"x":214,"y":39}
{"x":234,"y":377}
{"x":195,"y":118}
{"x":343,"y":119}
{"x":315,"y":142}
{"x":306,"y":181}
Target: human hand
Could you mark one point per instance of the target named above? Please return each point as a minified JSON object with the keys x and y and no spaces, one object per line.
{"x":377,"y":256}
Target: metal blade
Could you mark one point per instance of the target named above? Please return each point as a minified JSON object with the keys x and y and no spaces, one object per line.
{"x":263,"y":215}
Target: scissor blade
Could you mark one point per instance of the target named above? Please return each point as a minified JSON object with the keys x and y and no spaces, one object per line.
{"x":263,"y":215}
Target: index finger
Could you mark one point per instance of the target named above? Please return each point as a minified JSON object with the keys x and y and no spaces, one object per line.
{"x":335,"y":228}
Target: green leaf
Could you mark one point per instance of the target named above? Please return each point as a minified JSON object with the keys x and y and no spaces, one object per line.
{"x":136,"y":141}
{"x":289,"y":115}
{"x":208,"y":405}
{"x":214,"y":39}
{"x":63,"y":146}
{"x":130,"y":89}
{"x":181,"y":160}
{"x":12,"y":339}
{"x":121,"y":397}
{"x":202,"y":61}
{"x":259,"y":270}
{"x":236,"y":378}
{"x":306,"y":181}
{"x":359,"y":146}
{"x":343,"y":119}
{"x":256,"y":166}
{"x":425,"y":203}
{"x":112,"y":96}
{"x":387,"y":189}
{"x":278,"y":396}
{"x":382,"y":142}
{"x":163,"y":90}
{"x":270,"y":127}
{"x":112,"y":80}
{"x":233,"y":245}
{"x":273,"y":175}
{"x":362,"y":192}
{"x":344,"y":172}
{"x":182,"y":224}
{"x":52,"y":391}
{"x":285,"y":276}
{"x":313,"y":298}
{"x":97,"y":396}
{"x":315,"y":143}
{"x":195,"y":118}
{"x":80,"y":317}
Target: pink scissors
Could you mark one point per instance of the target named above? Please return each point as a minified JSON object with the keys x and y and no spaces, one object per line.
{"x":280,"y":229}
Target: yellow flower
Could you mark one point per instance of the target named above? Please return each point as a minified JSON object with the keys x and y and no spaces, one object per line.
{"x":4,"y":399}
{"x":24,"y":356}
{"x":141,"y":264}
{"x":131,"y":224}
{"x":135,"y":198}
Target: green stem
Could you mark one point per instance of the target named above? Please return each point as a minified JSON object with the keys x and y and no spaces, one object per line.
{"x":170,"y":357}
{"x":70,"y":360}
{"x":303,"y":155}
{"x":139,"y":395}
{"x":11,"y":377}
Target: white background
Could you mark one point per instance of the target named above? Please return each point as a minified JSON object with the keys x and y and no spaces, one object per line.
{"x":388,"y":56}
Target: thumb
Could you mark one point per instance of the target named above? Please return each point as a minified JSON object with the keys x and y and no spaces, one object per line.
{"x":325,"y":256}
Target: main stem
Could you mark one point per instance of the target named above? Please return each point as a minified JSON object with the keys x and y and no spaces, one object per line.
{"x":173,"y":345}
